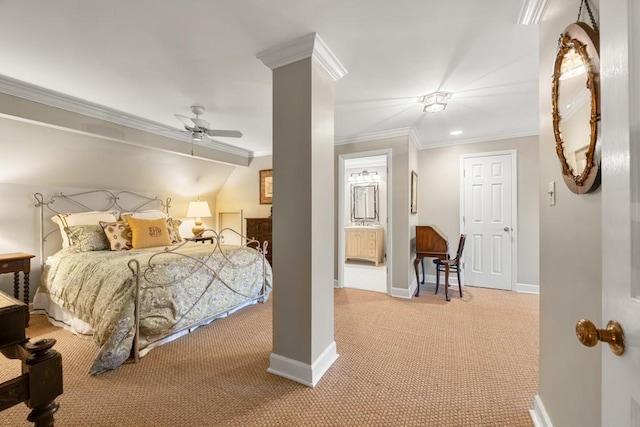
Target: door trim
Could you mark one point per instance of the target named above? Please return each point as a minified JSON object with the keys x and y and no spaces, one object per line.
{"x":514,"y":206}
{"x":340,"y":222}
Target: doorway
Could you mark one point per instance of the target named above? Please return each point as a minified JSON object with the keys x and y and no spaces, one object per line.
{"x":488,"y":197}
{"x":363,"y":218}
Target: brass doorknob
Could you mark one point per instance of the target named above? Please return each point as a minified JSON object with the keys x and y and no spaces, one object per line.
{"x":589,"y":335}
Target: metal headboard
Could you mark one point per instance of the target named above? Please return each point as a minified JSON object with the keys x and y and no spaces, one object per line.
{"x":93,"y":200}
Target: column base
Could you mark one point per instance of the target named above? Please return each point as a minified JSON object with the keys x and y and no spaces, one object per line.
{"x":303,"y":373}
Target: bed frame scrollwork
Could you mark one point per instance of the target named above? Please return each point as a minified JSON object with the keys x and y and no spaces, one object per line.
{"x":145,"y":275}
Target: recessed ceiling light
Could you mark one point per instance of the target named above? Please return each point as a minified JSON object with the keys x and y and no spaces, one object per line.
{"x":455,"y":132}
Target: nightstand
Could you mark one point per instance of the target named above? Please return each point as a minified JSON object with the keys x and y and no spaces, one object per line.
{"x":15,"y":263}
{"x":200,"y":239}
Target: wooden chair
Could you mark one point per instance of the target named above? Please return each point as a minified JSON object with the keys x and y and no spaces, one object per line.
{"x":454,"y":264}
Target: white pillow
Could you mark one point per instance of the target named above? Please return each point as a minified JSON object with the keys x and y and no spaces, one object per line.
{"x":65,"y":220}
{"x":148,"y":214}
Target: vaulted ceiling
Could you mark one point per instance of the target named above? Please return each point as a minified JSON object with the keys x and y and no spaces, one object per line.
{"x":151,"y":59}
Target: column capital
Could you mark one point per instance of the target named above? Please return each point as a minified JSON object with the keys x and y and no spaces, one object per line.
{"x":308,"y":46}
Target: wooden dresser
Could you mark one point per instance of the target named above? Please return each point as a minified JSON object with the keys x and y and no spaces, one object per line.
{"x":365,"y":243}
{"x":260,"y":230}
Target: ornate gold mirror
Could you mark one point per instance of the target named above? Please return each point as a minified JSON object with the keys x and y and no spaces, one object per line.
{"x":576,"y":107}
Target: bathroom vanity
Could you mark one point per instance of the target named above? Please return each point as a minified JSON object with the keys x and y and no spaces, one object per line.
{"x":365,"y":243}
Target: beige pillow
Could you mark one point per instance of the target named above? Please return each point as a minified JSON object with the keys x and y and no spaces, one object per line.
{"x":148,"y":214}
{"x":149,"y":233}
{"x":66,"y":220}
{"x":119,"y":235}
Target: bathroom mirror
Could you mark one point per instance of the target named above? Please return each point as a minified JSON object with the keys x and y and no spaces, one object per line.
{"x":364,"y":202}
{"x":576,"y":107}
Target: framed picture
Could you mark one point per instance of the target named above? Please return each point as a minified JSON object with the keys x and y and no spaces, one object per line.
{"x":414,"y":192}
{"x":266,"y":186}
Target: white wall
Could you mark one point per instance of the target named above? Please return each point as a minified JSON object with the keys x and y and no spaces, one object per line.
{"x":570,"y":264}
{"x":45,"y":159}
{"x":439,"y":196}
{"x":242,"y":191}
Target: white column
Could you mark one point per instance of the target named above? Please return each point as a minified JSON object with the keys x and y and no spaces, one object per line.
{"x":304,"y":72}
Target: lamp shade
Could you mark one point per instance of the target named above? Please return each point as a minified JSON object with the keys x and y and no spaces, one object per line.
{"x":198,"y":209}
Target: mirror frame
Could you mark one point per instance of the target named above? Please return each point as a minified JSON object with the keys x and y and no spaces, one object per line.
{"x":376,"y":213}
{"x":584,"y":40}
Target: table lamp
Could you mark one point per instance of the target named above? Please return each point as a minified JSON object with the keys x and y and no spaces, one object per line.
{"x":198,"y":210}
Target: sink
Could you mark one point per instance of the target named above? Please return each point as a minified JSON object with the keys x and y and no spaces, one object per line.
{"x":362,"y":227}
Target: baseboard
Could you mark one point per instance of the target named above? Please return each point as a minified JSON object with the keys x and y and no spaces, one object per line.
{"x":303,"y":373}
{"x":539,"y":414}
{"x":404,"y":293}
{"x":527,"y":289}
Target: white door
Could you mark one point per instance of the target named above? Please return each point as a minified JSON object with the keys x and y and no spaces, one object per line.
{"x":487,"y":219}
{"x":230,"y":221}
{"x":620,"y":95}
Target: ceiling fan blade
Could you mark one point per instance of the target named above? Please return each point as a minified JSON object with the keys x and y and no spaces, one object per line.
{"x":188,"y":123}
{"x":225,"y":133}
{"x":202,"y":124}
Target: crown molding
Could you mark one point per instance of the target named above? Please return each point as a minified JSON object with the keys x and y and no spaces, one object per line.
{"x":308,"y":46}
{"x":25,"y":90}
{"x":414,"y":137}
{"x":450,"y":143}
{"x":531,"y":12}
{"x":372,"y":136}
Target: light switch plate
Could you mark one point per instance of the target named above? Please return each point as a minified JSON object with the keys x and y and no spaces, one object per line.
{"x":551,"y":193}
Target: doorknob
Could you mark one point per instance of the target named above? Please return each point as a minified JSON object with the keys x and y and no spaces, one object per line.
{"x":506,"y":229}
{"x":589,"y":335}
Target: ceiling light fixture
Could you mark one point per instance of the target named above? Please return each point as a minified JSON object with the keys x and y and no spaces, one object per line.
{"x":434,"y":102}
{"x":455,"y":132}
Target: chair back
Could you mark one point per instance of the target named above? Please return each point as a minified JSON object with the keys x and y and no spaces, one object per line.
{"x":463,"y":238}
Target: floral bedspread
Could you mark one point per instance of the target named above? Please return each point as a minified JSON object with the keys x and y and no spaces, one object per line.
{"x":183,"y":287}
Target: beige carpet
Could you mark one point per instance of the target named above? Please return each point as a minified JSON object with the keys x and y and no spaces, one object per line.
{"x":420,"y":362}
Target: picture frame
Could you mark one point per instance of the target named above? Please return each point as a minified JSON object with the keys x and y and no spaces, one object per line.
{"x":266,"y":186}
{"x":414,"y":192}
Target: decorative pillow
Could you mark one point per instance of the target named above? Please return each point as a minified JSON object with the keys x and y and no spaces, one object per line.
{"x":65,"y":220}
{"x":88,"y":237}
{"x":119,"y":235}
{"x":148,"y":233}
{"x":174,"y":230}
{"x":148,"y":214}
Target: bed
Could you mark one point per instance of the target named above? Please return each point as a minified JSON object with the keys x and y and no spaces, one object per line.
{"x":132,"y":299}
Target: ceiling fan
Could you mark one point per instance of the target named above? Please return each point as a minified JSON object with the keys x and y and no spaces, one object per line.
{"x":199,"y":128}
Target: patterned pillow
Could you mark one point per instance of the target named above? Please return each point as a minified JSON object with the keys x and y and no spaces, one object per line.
{"x":119,"y":235}
{"x":149,"y":233}
{"x":174,"y":230}
{"x":65,"y":220}
{"x":90,"y":237}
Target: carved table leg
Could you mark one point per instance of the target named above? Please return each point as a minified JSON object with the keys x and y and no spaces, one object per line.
{"x":16,"y":285}
{"x":25,"y":289}
{"x":25,"y":298}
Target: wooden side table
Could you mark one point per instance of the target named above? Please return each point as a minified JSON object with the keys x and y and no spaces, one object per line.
{"x":200,"y":239}
{"x":15,"y":263}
